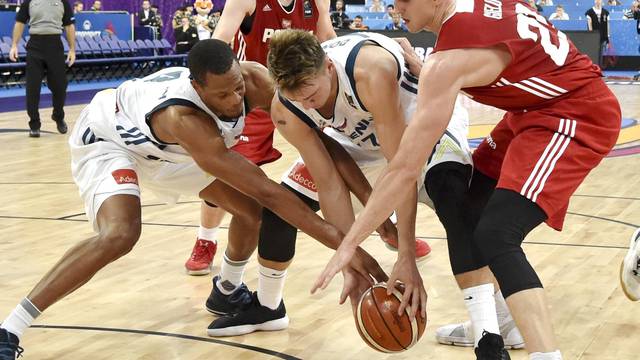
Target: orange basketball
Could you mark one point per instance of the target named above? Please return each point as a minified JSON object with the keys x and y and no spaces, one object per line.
{"x":380,"y":326}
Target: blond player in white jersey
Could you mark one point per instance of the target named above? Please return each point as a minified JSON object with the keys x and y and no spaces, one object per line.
{"x":171,"y":131}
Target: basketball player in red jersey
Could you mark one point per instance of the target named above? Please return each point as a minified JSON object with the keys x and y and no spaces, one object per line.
{"x":248,"y":25}
{"x":561,"y":121}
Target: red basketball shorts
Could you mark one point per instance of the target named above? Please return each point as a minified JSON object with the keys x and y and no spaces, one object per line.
{"x":256,"y":141}
{"x":546,"y":153}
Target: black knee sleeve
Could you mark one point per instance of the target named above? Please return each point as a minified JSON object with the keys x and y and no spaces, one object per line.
{"x":447,"y":185}
{"x":505,"y":221}
{"x":277,"y":240}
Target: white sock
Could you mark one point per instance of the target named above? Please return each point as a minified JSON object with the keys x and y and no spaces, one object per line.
{"x":556,"y":355}
{"x":502,"y":310}
{"x":207,"y":234}
{"x":230,"y":274}
{"x":482,"y":310}
{"x":21,"y":318}
{"x":270,"y":286}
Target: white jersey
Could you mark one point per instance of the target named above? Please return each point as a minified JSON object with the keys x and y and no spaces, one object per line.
{"x":135,"y":101}
{"x":351,"y":117}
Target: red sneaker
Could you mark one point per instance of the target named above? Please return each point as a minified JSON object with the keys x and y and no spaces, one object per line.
{"x":201,"y":257}
{"x":422,"y":248}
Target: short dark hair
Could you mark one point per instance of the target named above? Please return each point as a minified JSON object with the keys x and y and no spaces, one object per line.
{"x":210,"y":56}
{"x":358,"y":17}
{"x":391,"y":6}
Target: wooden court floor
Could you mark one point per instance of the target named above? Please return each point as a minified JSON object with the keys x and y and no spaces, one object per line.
{"x":145,"y":307}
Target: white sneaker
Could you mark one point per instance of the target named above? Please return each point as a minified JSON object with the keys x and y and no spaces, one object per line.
{"x":630,"y":269}
{"x":462,"y":335}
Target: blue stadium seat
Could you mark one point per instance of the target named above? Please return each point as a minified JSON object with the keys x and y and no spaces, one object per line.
{"x":133,"y":46}
{"x":82,"y":49}
{"x":105,"y":48}
{"x":4,"y":52}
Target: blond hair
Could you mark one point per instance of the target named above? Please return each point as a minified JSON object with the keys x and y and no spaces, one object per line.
{"x":295,"y":57}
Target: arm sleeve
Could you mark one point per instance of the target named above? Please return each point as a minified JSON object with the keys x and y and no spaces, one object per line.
{"x":23,"y":14}
{"x":67,"y":18}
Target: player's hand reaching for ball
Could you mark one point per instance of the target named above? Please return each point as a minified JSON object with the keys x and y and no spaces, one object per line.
{"x":353,"y":287}
{"x":406,"y":271}
{"x":357,"y":259}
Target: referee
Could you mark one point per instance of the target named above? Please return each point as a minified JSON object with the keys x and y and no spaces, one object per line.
{"x":45,"y":54}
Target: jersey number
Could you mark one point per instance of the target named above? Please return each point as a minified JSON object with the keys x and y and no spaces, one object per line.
{"x":528,"y":19}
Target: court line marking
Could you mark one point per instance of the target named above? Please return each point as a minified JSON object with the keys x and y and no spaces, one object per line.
{"x":375,"y":235}
{"x":173,"y":335}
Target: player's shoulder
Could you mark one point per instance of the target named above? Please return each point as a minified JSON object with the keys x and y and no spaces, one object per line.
{"x":254,"y":71}
{"x":374,"y":62}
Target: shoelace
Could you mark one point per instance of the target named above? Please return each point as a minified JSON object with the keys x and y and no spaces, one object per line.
{"x":491,"y":346}
{"x":200,"y":252}
{"x":242,"y":295}
{"x":16,"y":348}
{"x":636,"y":271}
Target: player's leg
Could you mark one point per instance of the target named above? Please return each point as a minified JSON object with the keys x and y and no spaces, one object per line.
{"x":276,"y":250}
{"x":630,"y":269}
{"x":201,"y":258}
{"x":229,"y":294}
{"x":119,"y":226}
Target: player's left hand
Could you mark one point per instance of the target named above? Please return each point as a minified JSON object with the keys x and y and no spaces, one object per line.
{"x":406,"y":271}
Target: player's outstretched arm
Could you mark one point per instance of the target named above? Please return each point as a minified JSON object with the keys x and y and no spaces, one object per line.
{"x":445,"y":73}
{"x":376,"y":81}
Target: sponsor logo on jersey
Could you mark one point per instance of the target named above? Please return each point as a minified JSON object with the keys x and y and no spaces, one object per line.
{"x":125,"y":176}
{"x":493,"y":9}
{"x":266,"y":8}
{"x":300,"y":174}
{"x":308,"y":9}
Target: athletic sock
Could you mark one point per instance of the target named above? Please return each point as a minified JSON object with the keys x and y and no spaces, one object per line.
{"x":270,"y":287}
{"x":230,"y":275}
{"x":207,"y":233}
{"x":482,"y":310}
{"x":21,"y":318}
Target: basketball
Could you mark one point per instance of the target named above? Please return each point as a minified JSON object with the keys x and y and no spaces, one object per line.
{"x":380,"y":326}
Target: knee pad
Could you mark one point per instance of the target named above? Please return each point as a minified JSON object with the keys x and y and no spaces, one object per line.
{"x":505,"y":221}
{"x":277,"y":240}
{"x":447,"y":185}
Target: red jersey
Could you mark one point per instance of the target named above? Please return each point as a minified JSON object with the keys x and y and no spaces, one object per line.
{"x":252,"y":40}
{"x":545,"y":65}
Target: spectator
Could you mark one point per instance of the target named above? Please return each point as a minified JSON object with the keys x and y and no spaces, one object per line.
{"x":186,"y":36}
{"x":145,"y":15}
{"x":396,"y":23}
{"x":358,"y":24}
{"x":634,"y":13}
{"x":45,"y":54}
{"x":545,"y":3}
{"x":185,"y":11}
{"x":559,"y":14}
{"x":156,"y":20}
{"x":535,"y":6}
{"x":78,"y":6}
{"x":598,"y":20}
{"x":339,"y":19}
{"x":204,"y":23}
{"x":614,"y":2}
{"x":97,"y":6}
{"x":376,"y":6}
{"x":390,"y":10}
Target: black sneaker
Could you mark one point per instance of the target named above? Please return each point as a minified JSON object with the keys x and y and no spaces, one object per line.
{"x":254,"y":318}
{"x":61,"y":125}
{"x":221,"y":304}
{"x":9,"y":349}
{"x":491,"y":347}
{"x":34,"y":133}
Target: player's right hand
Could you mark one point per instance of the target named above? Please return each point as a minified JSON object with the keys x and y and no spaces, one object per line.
{"x":412,"y":60}
{"x":13,"y":54}
{"x":353,"y":287}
